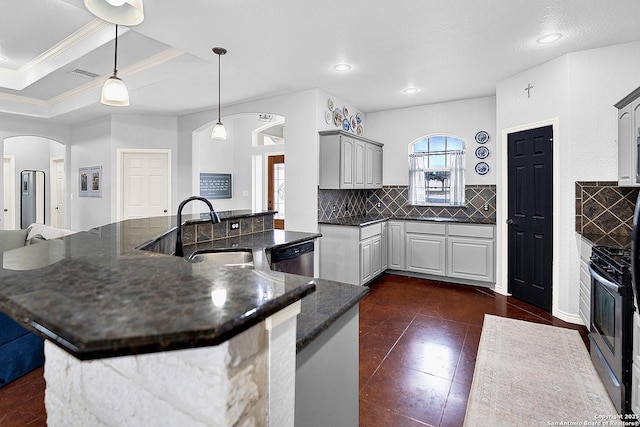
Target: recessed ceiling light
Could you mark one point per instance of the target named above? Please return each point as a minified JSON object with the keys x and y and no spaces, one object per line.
{"x":549,"y":38}
{"x":342,"y":67}
{"x":411,"y":90}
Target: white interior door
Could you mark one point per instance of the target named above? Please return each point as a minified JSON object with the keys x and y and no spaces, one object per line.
{"x":9,"y":214}
{"x":144,"y":192}
{"x":57,"y":192}
{"x":146,"y":189}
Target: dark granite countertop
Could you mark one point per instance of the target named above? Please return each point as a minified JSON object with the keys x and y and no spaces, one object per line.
{"x":96,"y":296}
{"x":364,"y":220}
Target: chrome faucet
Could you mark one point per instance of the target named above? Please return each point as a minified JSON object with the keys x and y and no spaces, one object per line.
{"x":212,"y":213}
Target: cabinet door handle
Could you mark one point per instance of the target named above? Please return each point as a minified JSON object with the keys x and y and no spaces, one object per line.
{"x":165,"y":211}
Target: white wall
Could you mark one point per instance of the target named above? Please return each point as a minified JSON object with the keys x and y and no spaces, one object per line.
{"x":91,"y":146}
{"x":11,"y":126}
{"x":301,"y":151}
{"x":398,"y":128}
{"x":142,"y":132}
{"x":95,"y":143}
{"x":577,"y":93}
{"x":232,"y":156}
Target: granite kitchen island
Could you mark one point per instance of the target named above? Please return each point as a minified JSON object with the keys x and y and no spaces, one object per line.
{"x":121,"y":309}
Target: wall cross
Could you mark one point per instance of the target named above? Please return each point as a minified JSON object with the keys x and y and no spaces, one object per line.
{"x":528,"y":89}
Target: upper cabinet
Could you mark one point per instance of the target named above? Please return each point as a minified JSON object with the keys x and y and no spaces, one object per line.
{"x":628,"y":140}
{"x":349,"y":162}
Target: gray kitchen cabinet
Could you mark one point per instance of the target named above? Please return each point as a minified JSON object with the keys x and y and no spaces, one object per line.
{"x":384,"y":246}
{"x":628,"y":133}
{"x":426,"y":247}
{"x":395,"y":248}
{"x":373,"y":165}
{"x":470,"y":252}
{"x":348,"y":161}
{"x":584,"y":307}
{"x":352,"y":254}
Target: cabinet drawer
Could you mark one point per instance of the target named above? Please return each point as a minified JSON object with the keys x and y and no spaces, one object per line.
{"x":370,"y":230}
{"x":425,"y":228}
{"x":471,"y":230}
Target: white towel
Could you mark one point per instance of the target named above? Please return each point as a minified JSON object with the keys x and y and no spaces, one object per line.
{"x":46,"y":231}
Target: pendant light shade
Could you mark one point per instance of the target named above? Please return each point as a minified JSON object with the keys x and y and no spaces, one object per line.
{"x":219,"y":132}
{"x":114,"y":91}
{"x":122,"y":12}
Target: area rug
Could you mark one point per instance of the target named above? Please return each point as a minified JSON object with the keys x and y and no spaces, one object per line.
{"x":529,"y":374}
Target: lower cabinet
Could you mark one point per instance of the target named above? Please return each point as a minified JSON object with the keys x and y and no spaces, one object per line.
{"x":457,"y":251}
{"x":395,"y":245}
{"x":470,"y":252}
{"x":584,"y":307}
{"x":358,"y":255}
{"x":425,"y":247}
{"x":352,"y":254}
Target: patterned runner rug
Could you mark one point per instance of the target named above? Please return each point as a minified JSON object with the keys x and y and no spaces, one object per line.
{"x":529,"y":374}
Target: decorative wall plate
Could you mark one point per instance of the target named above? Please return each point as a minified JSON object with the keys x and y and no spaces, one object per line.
{"x":358,"y":117}
{"x":353,"y":123}
{"x":345,"y":125}
{"x":482,"y":168}
{"x":482,"y":152}
{"x":359,"y":130}
{"x":345,"y":111}
{"x":337,"y":117}
{"x":482,"y":137}
{"x":328,"y":117}
{"x":332,"y":105}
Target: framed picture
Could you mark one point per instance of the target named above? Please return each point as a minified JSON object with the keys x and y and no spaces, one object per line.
{"x":90,"y":181}
{"x":216,"y":185}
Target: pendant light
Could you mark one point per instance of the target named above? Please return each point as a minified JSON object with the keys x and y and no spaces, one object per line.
{"x":123,"y":12}
{"x":114,"y":92}
{"x":219,"y":132}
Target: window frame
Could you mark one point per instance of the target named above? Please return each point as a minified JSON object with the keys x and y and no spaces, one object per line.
{"x":453,"y":174}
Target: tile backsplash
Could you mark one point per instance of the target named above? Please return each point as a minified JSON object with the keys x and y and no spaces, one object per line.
{"x":604,"y":208}
{"x":394,"y":201}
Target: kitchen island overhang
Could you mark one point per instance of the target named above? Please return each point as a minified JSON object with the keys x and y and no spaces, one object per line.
{"x":100,"y":301}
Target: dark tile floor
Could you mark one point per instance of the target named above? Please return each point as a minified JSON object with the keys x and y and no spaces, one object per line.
{"x":418,"y":345}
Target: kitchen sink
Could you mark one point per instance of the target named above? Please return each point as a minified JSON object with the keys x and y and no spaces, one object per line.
{"x":227,"y":257}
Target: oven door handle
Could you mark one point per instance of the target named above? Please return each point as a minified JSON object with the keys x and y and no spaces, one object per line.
{"x":612,"y":286}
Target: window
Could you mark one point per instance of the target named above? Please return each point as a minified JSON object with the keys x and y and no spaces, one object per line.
{"x":436,"y":171}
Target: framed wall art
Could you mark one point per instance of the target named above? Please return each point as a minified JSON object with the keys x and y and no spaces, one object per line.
{"x":90,"y":181}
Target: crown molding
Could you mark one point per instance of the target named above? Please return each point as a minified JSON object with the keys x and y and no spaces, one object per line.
{"x":96,"y":33}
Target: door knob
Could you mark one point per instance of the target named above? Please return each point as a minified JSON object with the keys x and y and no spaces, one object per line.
{"x":6,"y":210}
{"x":510,"y":221}
{"x":56,"y":208}
{"x":165,"y":211}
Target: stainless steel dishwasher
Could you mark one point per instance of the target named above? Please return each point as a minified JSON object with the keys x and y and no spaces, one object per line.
{"x":296,"y":259}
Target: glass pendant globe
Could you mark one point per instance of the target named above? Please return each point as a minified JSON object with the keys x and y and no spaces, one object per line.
{"x":114,"y":92}
{"x":219,"y":132}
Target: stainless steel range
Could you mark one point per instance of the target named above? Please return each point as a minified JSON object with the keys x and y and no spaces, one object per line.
{"x":612,"y":322}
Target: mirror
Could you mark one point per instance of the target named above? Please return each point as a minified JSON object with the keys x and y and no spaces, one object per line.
{"x":32,"y":197}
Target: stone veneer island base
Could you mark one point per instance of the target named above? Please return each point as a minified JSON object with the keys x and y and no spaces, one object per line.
{"x":246,"y":381}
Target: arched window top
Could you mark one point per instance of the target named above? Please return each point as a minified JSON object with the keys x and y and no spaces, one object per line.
{"x":436,"y":143}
